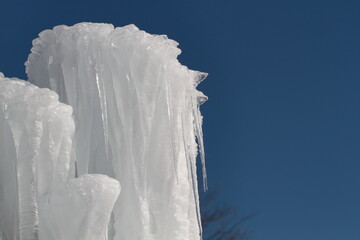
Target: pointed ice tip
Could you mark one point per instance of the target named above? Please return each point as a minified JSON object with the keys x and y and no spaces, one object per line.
{"x":1,"y":75}
{"x":201,"y":98}
{"x":199,"y":77}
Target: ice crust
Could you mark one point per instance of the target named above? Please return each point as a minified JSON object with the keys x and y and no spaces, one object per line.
{"x":36,"y":134}
{"x":138,"y":123}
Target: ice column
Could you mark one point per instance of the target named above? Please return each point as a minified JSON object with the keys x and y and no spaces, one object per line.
{"x":39,"y":197}
{"x":34,"y":158}
{"x":136,"y":109}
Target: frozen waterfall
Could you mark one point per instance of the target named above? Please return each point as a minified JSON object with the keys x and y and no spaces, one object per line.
{"x":128,"y":115}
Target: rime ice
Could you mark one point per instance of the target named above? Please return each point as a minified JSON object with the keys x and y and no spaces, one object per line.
{"x":137,"y":118}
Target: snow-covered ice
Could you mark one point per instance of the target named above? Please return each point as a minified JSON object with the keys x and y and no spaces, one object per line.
{"x":137,"y":117}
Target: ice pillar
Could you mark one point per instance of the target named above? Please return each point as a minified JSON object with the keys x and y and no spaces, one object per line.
{"x":136,"y":109}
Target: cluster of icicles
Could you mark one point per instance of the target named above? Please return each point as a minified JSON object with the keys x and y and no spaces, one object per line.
{"x":103,"y":107}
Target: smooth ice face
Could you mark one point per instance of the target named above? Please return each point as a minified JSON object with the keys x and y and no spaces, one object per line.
{"x":136,"y":109}
{"x":37,"y":171}
{"x":80,"y":209}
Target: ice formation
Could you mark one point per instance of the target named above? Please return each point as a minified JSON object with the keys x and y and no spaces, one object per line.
{"x":137,"y":118}
{"x":39,"y":196}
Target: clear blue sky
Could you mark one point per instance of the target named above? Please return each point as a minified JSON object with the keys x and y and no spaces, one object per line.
{"x":281,"y":127}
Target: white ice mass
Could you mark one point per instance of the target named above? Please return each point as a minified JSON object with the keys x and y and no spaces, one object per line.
{"x":122,"y":111}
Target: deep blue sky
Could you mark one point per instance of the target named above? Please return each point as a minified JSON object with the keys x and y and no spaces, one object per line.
{"x":282,"y":122}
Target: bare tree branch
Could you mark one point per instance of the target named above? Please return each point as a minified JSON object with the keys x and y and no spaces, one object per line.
{"x":222,"y":222}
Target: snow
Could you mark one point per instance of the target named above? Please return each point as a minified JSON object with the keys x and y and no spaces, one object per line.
{"x":137,"y":116}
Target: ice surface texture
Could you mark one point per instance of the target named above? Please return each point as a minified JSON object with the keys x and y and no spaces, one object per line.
{"x":38,"y":198}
